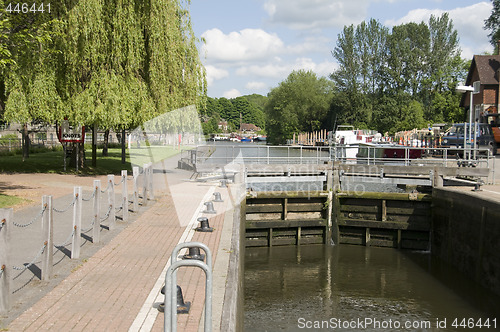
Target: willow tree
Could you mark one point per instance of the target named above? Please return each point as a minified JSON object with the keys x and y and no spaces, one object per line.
{"x":28,"y":90}
{"x":120,"y":63}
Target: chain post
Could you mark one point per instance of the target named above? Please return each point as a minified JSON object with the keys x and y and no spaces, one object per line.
{"x":135,"y":198}
{"x":48,"y":236}
{"x":6,"y":217}
{"x":111,"y":201}
{"x":150,"y":189}
{"x":124,"y":195}
{"x":77,"y":224}
{"x":145,"y":184}
{"x":96,"y":232}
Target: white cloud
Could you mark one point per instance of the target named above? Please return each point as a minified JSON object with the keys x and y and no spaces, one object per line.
{"x":233,"y":93}
{"x":314,"y":14}
{"x":245,"y":45}
{"x":468,"y":21}
{"x":256,"y":85}
{"x":214,"y":73}
{"x":282,"y":70}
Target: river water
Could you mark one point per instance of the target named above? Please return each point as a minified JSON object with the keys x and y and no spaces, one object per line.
{"x":352,"y":288}
{"x":357,"y":288}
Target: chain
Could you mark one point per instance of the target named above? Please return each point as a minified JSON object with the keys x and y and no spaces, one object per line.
{"x":88,"y":199}
{"x":107,"y":214}
{"x":68,"y":240}
{"x":32,"y":221}
{"x":33,"y":261}
{"x":109,"y":185}
{"x":117,"y":184}
{"x":67,"y":208}
{"x":91,"y":226}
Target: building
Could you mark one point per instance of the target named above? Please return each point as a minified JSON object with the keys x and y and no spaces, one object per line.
{"x":222,"y":125}
{"x":249,"y":128}
{"x":486,"y":70}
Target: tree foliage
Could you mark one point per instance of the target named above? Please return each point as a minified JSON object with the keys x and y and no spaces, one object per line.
{"x":414,"y":62}
{"x":299,"y":103}
{"x":492,"y":23}
{"x":251,"y":109}
{"x":114,"y":63}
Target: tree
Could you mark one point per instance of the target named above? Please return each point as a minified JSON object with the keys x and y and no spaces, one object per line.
{"x":492,"y":23}
{"x":414,"y":62}
{"x":299,"y":103}
{"x":113,"y":64}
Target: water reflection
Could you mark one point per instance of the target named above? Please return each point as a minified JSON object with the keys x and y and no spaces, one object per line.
{"x":287,"y":288}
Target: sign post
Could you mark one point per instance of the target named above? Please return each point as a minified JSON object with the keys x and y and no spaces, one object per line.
{"x":75,"y":134}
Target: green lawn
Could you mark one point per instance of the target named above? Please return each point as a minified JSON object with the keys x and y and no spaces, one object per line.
{"x":8,"y":201}
{"x":52,"y":161}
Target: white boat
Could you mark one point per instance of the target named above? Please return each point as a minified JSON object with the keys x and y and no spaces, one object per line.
{"x":347,"y":140}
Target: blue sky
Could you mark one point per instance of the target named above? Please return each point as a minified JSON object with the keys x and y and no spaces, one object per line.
{"x":253,"y":45}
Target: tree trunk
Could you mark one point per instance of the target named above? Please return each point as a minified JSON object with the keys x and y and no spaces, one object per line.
{"x":124,"y":139}
{"x":106,"y":141}
{"x":94,"y":145}
{"x":25,"y":142}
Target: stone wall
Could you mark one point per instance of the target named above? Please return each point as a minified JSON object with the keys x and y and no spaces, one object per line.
{"x":465,"y":234}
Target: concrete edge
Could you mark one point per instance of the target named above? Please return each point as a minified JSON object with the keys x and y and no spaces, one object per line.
{"x":233,"y":305}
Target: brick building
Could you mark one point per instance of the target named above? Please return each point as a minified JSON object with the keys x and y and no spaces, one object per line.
{"x":485,"y":69}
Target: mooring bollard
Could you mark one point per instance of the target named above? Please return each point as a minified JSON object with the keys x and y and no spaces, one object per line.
{"x":194,"y":253}
{"x":223,"y":183}
{"x":210,"y":208}
{"x":477,"y":187}
{"x":218,"y":197}
{"x":182,"y":307}
{"x":204,"y":225}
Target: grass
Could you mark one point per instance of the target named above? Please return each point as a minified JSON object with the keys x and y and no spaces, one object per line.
{"x":8,"y":201}
{"x":52,"y":161}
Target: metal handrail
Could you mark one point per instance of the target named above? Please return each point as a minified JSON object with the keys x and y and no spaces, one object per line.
{"x":170,"y":321}
{"x":440,"y":155}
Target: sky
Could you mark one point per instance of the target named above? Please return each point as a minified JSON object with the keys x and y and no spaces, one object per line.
{"x":253,"y":45}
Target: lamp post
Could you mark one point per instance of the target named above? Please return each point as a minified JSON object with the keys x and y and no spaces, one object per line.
{"x":472,"y":91}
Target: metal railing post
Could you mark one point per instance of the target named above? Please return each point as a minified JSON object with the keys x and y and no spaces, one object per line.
{"x":77,"y":223}
{"x":171,"y":296}
{"x":96,"y":232}
{"x":145,"y":185}
{"x":135,"y":195}
{"x":6,"y":217}
{"x":124,"y":195}
{"x":111,"y":201}
{"x":170,"y":320}
{"x":150,"y":180}
{"x":48,"y":237}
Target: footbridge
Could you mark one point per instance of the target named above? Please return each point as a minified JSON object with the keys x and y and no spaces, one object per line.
{"x":306,"y":195}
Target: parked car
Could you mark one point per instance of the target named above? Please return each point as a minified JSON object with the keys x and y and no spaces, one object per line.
{"x":454,"y":138}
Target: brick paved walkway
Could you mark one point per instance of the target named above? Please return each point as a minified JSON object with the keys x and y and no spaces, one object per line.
{"x":106,"y":293}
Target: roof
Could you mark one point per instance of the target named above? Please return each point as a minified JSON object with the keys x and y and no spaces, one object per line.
{"x":487,"y":67}
{"x":249,"y":127}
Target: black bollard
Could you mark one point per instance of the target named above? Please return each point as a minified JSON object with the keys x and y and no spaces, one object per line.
{"x":182,"y":307}
{"x":204,"y":225}
{"x":223,"y":183}
{"x":477,"y":187}
{"x":194,"y":253}
{"x":210,"y":208}
{"x":218,"y":197}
